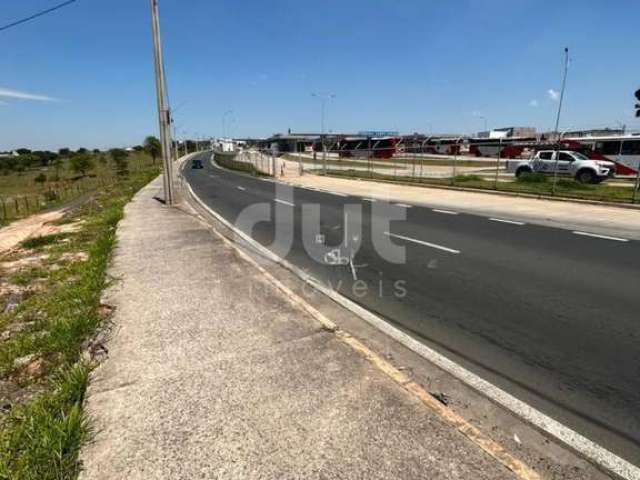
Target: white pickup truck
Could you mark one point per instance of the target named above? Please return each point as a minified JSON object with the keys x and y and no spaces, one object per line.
{"x":574,"y":164}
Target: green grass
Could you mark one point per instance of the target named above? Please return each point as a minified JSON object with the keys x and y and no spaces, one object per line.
{"x":565,"y":188}
{"x":36,"y":242}
{"x":41,"y":439}
{"x":467,"y":178}
{"x":532,"y":177}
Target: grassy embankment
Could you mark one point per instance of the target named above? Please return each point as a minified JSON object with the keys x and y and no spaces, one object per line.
{"x":534,"y":184}
{"x":21,"y":195}
{"x":50,"y":293}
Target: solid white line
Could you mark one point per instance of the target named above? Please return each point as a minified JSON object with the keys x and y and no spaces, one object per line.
{"x":591,"y":450}
{"x":447,"y":212}
{"x":241,"y":188}
{"x":502,"y":220}
{"x":284,"y":202}
{"x":427,"y":244}
{"x":403,"y":205}
{"x":605,"y":237}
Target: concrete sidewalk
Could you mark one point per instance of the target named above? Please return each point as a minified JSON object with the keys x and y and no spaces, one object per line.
{"x":213,"y":373}
{"x":599,"y":219}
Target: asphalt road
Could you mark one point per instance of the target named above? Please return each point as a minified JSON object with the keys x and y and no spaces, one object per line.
{"x":548,"y":315}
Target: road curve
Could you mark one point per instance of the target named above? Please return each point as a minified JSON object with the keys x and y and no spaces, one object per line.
{"x":549,"y":315}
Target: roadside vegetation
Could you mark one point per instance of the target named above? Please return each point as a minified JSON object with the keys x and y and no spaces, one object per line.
{"x":31,"y":181}
{"x":52,"y":324}
{"x":533,"y":184}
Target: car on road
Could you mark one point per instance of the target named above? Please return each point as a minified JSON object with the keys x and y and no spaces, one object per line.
{"x":569,"y":163}
{"x":196,"y":164}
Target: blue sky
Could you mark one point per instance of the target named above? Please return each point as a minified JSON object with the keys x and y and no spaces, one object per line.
{"x":408,"y":65}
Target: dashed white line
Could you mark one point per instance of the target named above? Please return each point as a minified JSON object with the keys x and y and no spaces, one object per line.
{"x":338,"y":194}
{"x":503,"y":220}
{"x":446,"y":212}
{"x":605,"y":237}
{"x":241,"y":188}
{"x":426,"y":244}
{"x":372,"y":200}
{"x":284,"y":202}
{"x":403,"y":205}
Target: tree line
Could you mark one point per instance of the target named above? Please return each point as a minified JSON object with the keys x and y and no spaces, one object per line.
{"x":81,"y":162}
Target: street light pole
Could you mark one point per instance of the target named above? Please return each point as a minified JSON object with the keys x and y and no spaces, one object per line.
{"x":557,"y":149}
{"x":224,"y":122}
{"x":164,"y":116}
{"x":323,"y":99}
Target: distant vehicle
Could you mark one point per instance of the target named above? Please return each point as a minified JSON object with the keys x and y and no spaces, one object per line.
{"x":570,"y":163}
{"x":623,"y":150}
{"x":196,"y":164}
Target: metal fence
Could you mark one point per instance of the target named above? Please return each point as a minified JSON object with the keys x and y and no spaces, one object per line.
{"x":454,"y":170}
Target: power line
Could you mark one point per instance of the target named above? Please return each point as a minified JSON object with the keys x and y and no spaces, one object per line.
{"x":36,"y":15}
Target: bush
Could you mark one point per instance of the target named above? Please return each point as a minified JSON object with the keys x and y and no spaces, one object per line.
{"x":51,"y":196}
{"x":532,"y":177}
{"x":81,"y":163}
{"x":41,"y":178}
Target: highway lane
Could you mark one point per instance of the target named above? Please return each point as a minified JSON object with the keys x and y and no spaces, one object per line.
{"x":546,"y":314}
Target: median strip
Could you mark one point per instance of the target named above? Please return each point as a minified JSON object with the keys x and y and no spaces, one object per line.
{"x":605,"y":237}
{"x":421,"y":242}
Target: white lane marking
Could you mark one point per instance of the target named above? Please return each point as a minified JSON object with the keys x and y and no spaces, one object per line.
{"x":372,"y":200}
{"x":284,"y":202}
{"x":241,"y":188}
{"x":403,"y":205}
{"x":446,"y":212}
{"x":605,"y":237}
{"x":503,"y":220}
{"x":427,"y":244}
{"x":336,"y":193}
{"x":593,"y":451}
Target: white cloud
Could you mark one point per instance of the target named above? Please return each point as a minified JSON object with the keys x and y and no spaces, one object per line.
{"x":8,"y":93}
{"x":534,"y":103}
{"x":553,"y":94}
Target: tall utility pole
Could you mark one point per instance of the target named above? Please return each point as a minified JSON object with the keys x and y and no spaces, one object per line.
{"x":557,"y":152}
{"x":164,"y":116}
{"x":323,"y":100}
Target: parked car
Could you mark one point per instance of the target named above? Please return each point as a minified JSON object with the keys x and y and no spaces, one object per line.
{"x":569,"y":163}
{"x":196,"y":164}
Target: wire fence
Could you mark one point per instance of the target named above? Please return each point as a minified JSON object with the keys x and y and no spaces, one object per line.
{"x":14,"y":207}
